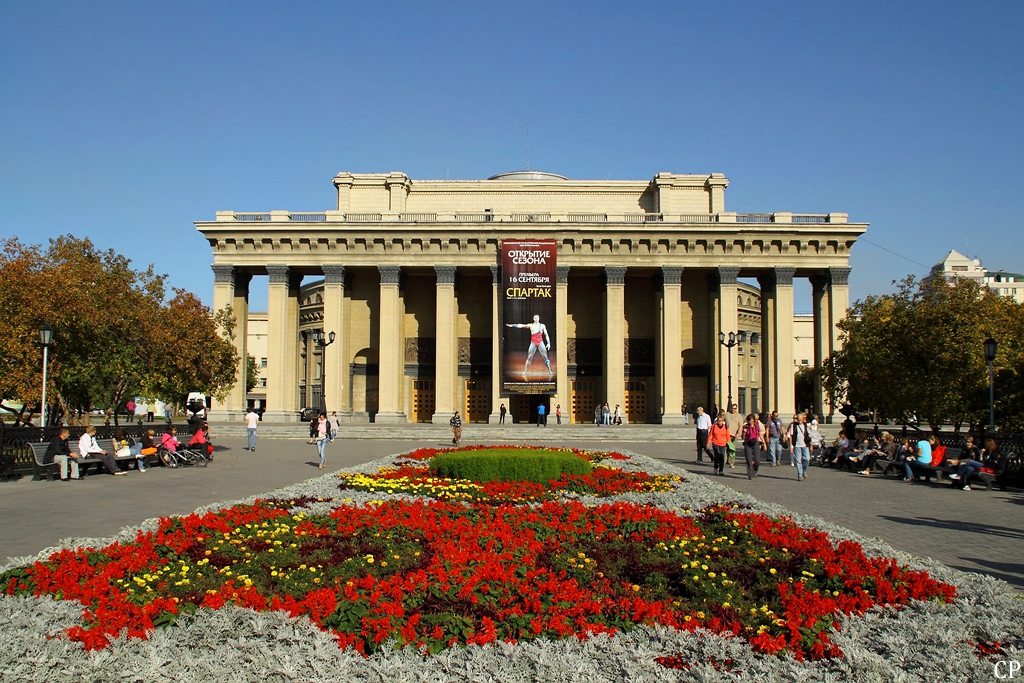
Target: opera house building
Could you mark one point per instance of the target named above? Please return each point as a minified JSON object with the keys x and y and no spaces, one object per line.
{"x":412,"y":299}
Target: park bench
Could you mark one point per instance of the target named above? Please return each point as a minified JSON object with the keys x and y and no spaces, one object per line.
{"x":49,"y":469}
{"x":943,"y":469}
{"x":1009,"y":472}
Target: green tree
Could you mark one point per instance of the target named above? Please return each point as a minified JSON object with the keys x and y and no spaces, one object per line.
{"x":920,"y":351}
{"x":114,"y":336}
{"x":252,"y":373}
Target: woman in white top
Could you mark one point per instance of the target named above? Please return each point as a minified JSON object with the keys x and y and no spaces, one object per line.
{"x":87,"y":447}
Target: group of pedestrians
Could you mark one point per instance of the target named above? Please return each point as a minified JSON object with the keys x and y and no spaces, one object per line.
{"x":731,"y":430}
{"x":603,"y":415}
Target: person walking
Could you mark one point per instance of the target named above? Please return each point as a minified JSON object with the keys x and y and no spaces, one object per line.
{"x":323,"y":436}
{"x":800,"y":445}
{"x":734,"y":421}
{"x":558,"y":413}
{"x":456,"y":425}
{"x":252,"y":421}
{"x":703,"y":427}
{"x":775,"y":438}
{"x":542,"y":415}
{"x":606,"y":414}
{"x":752,"y":438}
{"x":501,"y":414}
{"x":719,"y":436}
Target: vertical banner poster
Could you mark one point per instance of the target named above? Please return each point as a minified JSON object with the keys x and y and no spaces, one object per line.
{"x":529,"y":357}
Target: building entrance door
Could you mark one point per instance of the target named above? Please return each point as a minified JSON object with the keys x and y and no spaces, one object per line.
{"x":478,"y":400}
{"x":582,"y":401}
{"x":636,"y":402}
{"x":422,"y":400}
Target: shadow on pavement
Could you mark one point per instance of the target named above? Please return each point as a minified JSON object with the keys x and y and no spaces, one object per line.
{"x":959,"y":525}
{"x":1008,"y":572}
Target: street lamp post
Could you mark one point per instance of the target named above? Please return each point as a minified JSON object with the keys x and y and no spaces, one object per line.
{"x":990,"y":356}
{"x":45,"y":338}
{"x":318,"y":337}
{"x":734,"y":339}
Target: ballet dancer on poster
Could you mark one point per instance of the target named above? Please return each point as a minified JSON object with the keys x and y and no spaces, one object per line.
{"x":539,"y":341}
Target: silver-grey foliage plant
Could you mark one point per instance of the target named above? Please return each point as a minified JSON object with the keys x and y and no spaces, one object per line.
{"x":924,"y":641}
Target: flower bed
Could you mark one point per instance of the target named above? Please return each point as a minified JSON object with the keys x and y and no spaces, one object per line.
{"x":433,"y":572}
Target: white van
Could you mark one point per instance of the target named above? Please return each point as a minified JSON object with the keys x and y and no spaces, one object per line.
{"x":195,"y":406}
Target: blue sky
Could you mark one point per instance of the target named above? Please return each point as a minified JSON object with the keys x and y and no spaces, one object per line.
{"x":127,"y":121}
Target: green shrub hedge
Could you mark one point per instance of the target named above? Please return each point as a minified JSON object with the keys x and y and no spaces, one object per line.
{"x":508,"y":464}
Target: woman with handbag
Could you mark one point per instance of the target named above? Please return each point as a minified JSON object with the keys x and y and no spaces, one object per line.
{"x":753,"y":436}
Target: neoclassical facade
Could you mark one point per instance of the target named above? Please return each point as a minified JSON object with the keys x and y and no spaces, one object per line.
{"x":647,"y":277}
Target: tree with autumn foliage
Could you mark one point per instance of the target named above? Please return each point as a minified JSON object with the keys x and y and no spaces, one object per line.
{"x":114,"y":335}
{"x":920,"y":352}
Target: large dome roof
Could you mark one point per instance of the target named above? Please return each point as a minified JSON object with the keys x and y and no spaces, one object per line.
{"x":527,"y":175}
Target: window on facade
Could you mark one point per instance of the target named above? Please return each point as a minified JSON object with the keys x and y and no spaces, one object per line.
{"x":263,"y":382}
{"x":263,"y":362}
{"x":959,"y":268}
{"x":805,"y":362}
{"x":741,"y":400}
{"x":753,"y":397}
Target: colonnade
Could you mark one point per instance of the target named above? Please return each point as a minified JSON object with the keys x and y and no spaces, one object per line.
{"x":830,"y":299}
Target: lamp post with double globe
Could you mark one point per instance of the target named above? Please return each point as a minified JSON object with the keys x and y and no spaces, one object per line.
{"x":734,"y":339}
{"x":318,"y":337}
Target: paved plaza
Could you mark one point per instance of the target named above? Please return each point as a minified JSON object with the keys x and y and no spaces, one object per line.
{"x":976,"y":531}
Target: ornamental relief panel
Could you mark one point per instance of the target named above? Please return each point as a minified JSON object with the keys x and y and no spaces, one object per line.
{"x":474,"y":351}
{"x":582,"y":351}
{"x":420,"y":350}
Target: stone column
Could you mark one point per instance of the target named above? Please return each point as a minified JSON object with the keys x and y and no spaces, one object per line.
{"x":446,"y":346}
{"x":563,"y":393}
{"x":336,"y":355}
{"x":231,"y":288}
{"x":766,"y":281}
{"x":838,"y":303}
{"x":728,"y":317}
{"x":819,"y":283}
{"x":293,"y":340}
{"x":671,"y":346}
{"x":309,"y":353}
{"x":282,"y":350}
{"x":496,"y":335}
{"x":615,"y":338}
{"x":390,"y":346}
{"x":785,"y":397}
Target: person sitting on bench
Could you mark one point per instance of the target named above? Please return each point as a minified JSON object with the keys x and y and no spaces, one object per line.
{"x":989,"y":461}
{"x":170,"y":444}
{"x":87,"y":447}
{"x":201,"y":440}
{"x":59,"y":450}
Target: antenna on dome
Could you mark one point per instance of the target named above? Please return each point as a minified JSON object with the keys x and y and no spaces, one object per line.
{"x":527,"y":147}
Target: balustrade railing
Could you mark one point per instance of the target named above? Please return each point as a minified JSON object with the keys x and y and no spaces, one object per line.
{"x":522,"y":217}
{"x":643,"y":218}
{"x":754,"y":218}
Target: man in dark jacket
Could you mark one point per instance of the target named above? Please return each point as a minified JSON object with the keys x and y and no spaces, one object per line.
{"x":60,"y":451}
